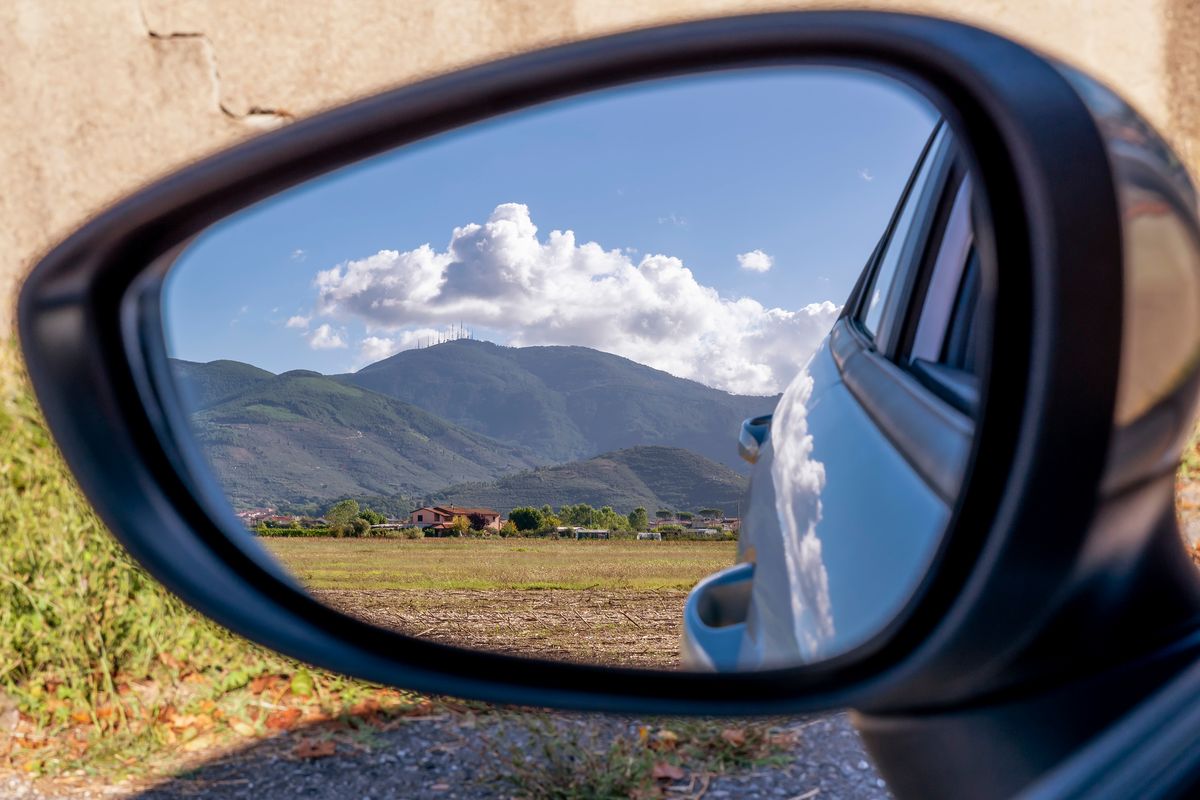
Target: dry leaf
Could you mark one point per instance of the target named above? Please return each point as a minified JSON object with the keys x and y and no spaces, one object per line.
{"x":734,"y":736}
{"x":667,"y":772}
{"x":420,"y":709}
{"x":264,"y":682}
{"x":664,"y":740}
{"x":784,"y":739}
{"x":311,"y":748}
{"x":169,"y":661}
{"x":282,"y":720}
{"x":366,"y":708}
{"x":201,"y":742}
{"x":242,"y":728}
{"x":82,"y":717}
{"x":199,"y":721}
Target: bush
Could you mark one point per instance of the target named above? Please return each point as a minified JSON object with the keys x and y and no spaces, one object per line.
{"x":526,"y":518}
{"x":295,"y":532}
{"x":79,"y":619}
{"x":372,"y":517}
{"x":342,"y":513}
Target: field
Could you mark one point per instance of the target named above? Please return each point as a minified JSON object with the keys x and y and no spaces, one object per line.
{"x":611,"y":602}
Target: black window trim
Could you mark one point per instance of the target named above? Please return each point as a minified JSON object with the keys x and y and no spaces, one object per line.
{"x":856,"y":306}
{"x":916,"y":256}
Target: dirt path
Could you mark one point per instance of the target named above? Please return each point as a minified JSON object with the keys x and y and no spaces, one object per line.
{"x":612,"y":627}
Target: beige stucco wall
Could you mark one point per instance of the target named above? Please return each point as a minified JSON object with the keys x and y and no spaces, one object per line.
{"x":100,"y":96}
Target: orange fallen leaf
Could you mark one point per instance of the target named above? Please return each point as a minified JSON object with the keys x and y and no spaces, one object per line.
{"x":311,"y":748}
{"x":282,"y":720}
{"x":667,"y":772}
{"x":734,"y":736}
{"x":169,"y":661}
{"x":365,"y":708}
{"x":82,"y":717}
{"x":104,"y":712}
{"x":200,"y":721}
{"x":420,"y":709}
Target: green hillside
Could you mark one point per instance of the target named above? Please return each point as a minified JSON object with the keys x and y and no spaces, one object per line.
{"x":563,"y":403}
{"x":204,"y":385}
{"x":653,"y":477}
{"x":301,"y":436}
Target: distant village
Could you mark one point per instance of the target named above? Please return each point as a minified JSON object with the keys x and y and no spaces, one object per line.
{"x":449,"y":521}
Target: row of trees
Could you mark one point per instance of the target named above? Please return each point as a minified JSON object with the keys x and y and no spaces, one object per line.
{"x":346,"y":518}
{"x":527,"y":519}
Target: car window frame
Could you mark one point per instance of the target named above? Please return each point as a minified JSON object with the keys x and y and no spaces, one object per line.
{"x":935,"y":147}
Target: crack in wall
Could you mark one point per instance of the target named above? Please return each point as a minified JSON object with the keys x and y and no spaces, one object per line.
{"x":252,"y":114}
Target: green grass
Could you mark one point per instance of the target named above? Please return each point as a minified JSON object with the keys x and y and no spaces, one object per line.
{"x":1189,"y":465}
{"x":483,"y":564}
{"x":98,"y":657}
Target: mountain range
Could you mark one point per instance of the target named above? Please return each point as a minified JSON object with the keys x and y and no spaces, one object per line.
{"x":469,"y":419}
{"x":563,"y":403}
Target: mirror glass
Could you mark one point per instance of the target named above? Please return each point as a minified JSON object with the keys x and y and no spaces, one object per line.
{"x":677,"y":375}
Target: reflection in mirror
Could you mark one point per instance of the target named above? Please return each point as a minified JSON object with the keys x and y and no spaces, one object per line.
{"x":489,"y":389}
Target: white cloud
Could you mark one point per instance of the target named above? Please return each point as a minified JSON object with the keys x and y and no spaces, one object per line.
{"x":673,"y":219}
{"x":502,"y":277}
{"x":755,"y":261}
{"x":298,"y":255}
{"x":326,"y":338}
{"x":866,"y":175}
{"x":798,"y":480}
{"x":375,"y":348}
{"x":298,"y":321}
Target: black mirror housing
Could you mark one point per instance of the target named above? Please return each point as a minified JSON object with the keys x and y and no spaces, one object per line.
{"x":1062,"y":543}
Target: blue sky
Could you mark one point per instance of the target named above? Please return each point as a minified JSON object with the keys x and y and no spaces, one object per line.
{"x":804,"y":165}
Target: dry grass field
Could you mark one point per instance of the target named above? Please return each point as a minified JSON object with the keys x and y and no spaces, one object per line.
{"x":609,"y":602}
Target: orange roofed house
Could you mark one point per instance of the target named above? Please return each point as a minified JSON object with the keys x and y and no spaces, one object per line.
{"x":439,"y":518}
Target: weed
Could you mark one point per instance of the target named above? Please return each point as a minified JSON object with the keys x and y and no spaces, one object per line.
{"x":555,"y":758}
{"x":107,"y":669}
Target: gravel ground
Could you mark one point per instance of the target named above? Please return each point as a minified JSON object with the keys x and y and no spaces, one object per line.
{"x":453,"y":758}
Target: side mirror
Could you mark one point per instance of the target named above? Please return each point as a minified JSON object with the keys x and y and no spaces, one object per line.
{"x":753,"y":434}
{"x":970,"y":544}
